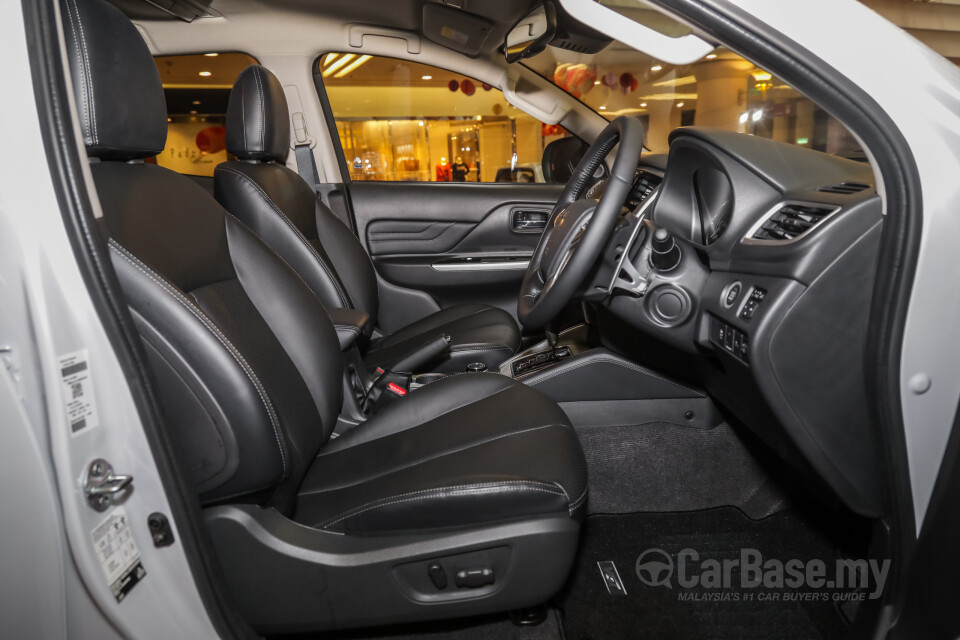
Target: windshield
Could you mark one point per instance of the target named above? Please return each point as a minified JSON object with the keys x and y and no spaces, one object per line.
{"x":721,"y":90}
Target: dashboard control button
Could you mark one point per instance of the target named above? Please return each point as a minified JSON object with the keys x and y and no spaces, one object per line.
{"x":731,"y":294}
{"x":729,"y":339}
{"x":757,"y":295}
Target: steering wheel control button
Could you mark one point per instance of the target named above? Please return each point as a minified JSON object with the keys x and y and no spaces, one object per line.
{"x":731,"y":294}
{"x":757,"y":296}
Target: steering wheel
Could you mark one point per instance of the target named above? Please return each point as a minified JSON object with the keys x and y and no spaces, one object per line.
{"x":577,"y":229}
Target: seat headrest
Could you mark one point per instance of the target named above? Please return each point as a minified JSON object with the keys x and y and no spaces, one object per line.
{"x":116,"y":85}
{"x":258,"y":123}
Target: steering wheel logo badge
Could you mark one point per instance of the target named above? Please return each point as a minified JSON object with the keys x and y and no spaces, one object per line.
{"x":655,"y":568}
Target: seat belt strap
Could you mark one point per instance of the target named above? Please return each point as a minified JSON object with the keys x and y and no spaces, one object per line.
{"x":306,"y":165}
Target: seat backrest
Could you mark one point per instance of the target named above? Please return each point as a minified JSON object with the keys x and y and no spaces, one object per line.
{"x":247,"y":364}
{"x":280,"y":207}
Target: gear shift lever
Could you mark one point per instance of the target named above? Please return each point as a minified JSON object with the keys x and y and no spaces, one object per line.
{"x":541,"y":359}
{"x":552,"y":338}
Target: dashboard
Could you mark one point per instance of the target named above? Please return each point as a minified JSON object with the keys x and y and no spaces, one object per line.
{"x":768,"y":303}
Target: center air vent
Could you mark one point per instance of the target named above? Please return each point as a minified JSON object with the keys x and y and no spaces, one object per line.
{"x":845,"y":188}
{"x":791,"y":220}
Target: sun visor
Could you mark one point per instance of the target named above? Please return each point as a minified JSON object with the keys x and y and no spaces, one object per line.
{"x":456,"y":29}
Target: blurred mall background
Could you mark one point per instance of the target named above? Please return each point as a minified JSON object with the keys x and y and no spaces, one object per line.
{"x":399,"y":120}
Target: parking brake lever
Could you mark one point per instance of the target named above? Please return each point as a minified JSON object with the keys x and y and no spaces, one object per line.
{"x":411,"y":362}
{"x":393,"y":381}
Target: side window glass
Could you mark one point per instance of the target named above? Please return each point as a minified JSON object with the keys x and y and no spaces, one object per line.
{"x":405,"y":121}
{"x":197,"y":88}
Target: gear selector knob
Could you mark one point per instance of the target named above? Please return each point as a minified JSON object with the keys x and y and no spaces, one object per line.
{"x":665,"y":254}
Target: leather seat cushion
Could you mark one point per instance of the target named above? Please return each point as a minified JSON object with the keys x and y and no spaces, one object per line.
{"x":472,"y":449}
{"x":479,"y":334}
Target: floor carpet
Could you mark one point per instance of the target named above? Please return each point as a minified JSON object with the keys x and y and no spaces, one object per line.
{"x":590,"y":612}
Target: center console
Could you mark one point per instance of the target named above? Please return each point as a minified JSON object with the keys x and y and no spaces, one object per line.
{"x":598,"y":387}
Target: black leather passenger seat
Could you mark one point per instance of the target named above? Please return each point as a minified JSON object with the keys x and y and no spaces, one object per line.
{"x":474,"y":470}
{"x":382,"y":476}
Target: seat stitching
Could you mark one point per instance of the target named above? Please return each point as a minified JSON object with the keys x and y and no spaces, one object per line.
{"x":231,"y":349}
{"x":85,"y":76}
{"x":576,"y":503}
{"x":625,"y":365}
{"x":443,"y":492}
{"x":243,"y":114}
{"x":347,"y":327}
{"x":467,"y":403}
{"x":430,"y":459}
{"x":263,"y":115}
{"x":467,"y":349}
{"x":340,"y":293}
{"x":297,"y":273}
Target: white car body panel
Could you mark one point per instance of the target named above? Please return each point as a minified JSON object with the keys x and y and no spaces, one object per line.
{"x":48,"y":313}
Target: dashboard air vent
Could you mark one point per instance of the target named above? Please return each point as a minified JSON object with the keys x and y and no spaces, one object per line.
{"x":845,"y":188}
{"x":792,"y":221}
{"x":644,"y":185}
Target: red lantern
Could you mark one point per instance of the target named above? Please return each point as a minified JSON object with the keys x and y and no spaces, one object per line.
{"x":467,"y":87}
{"x":486,"y":87}
{"x":453,"y":85}
{"x":211,"y":139}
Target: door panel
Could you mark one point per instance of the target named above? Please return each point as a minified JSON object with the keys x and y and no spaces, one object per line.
{"x":458,"y":242}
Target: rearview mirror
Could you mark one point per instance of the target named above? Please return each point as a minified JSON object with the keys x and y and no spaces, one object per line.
{"x":562,"y":156}
{"x":531,"y":34}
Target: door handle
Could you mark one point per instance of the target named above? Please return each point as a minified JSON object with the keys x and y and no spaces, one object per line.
{"x":526,"y":220}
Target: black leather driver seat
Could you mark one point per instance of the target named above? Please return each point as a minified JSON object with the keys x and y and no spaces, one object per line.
{"x":279,"y":206}
{"x":473,"y":470}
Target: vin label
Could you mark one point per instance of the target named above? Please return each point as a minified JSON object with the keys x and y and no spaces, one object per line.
{"x":118,"y":553}
{"x":77,"y":387}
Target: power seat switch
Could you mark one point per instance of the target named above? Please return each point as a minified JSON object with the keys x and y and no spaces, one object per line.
{"x":474,"y":578}
{"x":437,"y":575}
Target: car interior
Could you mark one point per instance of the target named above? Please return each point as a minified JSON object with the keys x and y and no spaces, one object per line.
{"x":374,"y":383}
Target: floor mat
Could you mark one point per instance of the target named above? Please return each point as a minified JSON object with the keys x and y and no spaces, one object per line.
{"x":497,"y":627}
{"x":663,"y":612}
{"x":660,"y":466}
